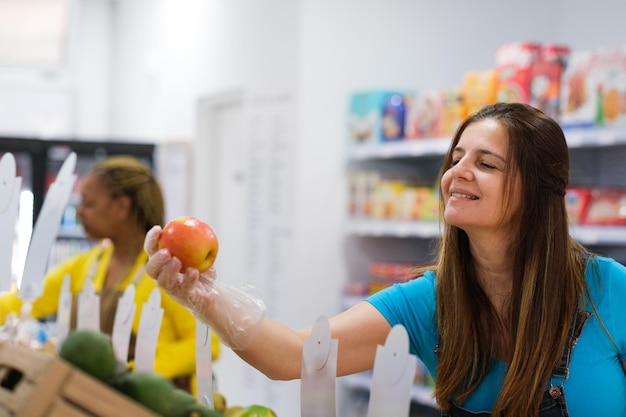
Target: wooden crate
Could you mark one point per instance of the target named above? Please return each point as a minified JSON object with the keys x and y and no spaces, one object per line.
{"x":36,"y":384}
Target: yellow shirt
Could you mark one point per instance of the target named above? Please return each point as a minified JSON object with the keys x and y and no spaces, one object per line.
{"x":176,"y":345}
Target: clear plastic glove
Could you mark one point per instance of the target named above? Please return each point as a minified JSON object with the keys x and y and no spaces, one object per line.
{"x":234,"y":313}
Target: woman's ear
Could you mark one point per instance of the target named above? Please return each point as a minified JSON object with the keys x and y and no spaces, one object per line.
{"x":124,"y":205}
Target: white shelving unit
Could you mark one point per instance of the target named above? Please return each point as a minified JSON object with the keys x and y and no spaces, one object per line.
{"x":576,"y":139}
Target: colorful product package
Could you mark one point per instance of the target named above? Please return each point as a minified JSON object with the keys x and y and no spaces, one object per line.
{"x":365,"y":116}
{"x":594,"y":88}
{"x":384,"y":274}
{"x":607,"y":207}
{"x":387,"y":198}
{"x":394,"y":117}
{"x":376,"y":116}
{"x":423,"y":115}
{"x":545,"y":78}
{"x":453,"y":110}
{"x":576,"y":203}
{"x":578,"y":91}
{"x":479,"y":89}
{"x":611,"y":104}
{"x":419,"y":203}
{"x":361,"y":186}
{"x":514,"y":62}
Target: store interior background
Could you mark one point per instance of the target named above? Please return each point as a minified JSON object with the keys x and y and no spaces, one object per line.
{"x":181,"y":72}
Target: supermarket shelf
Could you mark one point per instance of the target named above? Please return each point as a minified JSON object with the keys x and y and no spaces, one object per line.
{"x":393,"y":228}
{"x":576,"y":138}
{"x":588,"y":235}
{"x":399,"y":149}
{"x":595,"y":137}
{"x":599,"y":235}
{"x":419,"y":393}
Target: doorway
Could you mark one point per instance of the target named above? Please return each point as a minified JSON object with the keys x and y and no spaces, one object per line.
{"x":219,"y":195}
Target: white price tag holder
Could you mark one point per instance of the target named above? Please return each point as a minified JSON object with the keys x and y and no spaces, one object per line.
{"x":204,"y":364}
{"x":148,"y":333}
{"x":10,"y":186}
{"x":392,"y":379}
{"x":46,"y":229}
{"x":64,"y":311}
{"x":123,"y":324}
{"x":319,"y":372}
{"x":88,"y":310}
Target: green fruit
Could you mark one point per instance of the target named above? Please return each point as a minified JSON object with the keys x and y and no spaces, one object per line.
{"x":155,"y":392}
{"x":232,"y":411}
{"x":183,"y":397}
{"x":255,"y":411}
{"x":90,"y":351}
{"x":219,"y":401}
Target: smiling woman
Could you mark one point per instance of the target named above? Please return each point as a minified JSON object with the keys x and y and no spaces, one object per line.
{"x":515,"y":318}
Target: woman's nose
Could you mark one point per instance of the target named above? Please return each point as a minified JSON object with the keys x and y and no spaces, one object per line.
{"x":462,"y":170}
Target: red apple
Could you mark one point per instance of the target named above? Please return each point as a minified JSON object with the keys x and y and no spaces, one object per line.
{"x":192,"y":241}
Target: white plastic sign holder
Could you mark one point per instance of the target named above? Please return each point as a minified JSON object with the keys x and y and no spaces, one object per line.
{"x":319,"y":372}
{"x":46,"y":229}
{"x":88,"y":310}
{"x":148,"y":333}
{"x":392,"y":379}
{"x":64,"y":311}
{"x":10,"y":186}
{"x":123,"y":324}
{"x":204,"y":364}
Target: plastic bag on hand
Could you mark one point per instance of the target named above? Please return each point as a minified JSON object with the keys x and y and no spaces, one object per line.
{"x":234,"y":312}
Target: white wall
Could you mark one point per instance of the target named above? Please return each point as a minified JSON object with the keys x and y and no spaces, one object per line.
{"x":71,"y":100}
{"x":165,"y":54}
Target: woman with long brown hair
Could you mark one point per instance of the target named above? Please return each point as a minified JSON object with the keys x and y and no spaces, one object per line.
{"x":515,"y":318}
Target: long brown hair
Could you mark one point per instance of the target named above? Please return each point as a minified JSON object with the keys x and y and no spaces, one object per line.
{"x":548,"y":281}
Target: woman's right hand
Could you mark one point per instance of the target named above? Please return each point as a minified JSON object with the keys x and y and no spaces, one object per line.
{"x":234,"y":312}
{"x":190,"y":288}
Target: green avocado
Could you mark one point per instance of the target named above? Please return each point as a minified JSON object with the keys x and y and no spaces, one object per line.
{"x":155,"y":392}
{"x":90,"y":351}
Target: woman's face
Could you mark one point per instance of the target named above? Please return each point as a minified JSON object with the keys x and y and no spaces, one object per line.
{"x":97,"y":208}
{"x":473,"y":186}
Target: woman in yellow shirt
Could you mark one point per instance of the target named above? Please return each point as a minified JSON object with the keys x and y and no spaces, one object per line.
{"x":120,"y":201}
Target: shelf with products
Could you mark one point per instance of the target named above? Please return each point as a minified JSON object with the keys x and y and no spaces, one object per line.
{"x":597,"y":160}
{"x":395,"y":228}
{"x":586,"y":234}
{"x":411,"y":148}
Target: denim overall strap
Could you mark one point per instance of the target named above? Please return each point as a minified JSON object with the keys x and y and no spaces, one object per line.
{"x":553,"y":403}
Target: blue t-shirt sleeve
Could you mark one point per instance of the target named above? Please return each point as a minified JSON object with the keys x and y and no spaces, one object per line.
{"x":614,"y":275}
{"x":412,"y":304}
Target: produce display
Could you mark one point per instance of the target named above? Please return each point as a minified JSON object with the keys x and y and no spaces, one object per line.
{"x":92,"y":352}
{"x":192,"y":241}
